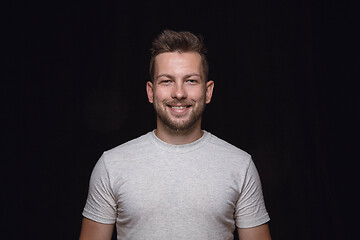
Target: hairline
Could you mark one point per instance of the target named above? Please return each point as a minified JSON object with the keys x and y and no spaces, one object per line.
{"x":202,"y":56}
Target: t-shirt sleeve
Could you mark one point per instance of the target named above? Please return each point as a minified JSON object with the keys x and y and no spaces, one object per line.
{"x":100,"y":204}
{"x":250,"y":208}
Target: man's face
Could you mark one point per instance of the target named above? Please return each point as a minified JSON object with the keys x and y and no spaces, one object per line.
{"x":179,"y":92}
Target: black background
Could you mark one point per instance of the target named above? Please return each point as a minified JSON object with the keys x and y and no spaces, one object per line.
{"x":285,"y":76}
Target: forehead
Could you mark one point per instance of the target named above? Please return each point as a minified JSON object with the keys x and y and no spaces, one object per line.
{"x":178,"y":63}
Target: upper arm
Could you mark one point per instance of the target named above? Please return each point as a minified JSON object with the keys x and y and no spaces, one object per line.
{"x":91,"y":230}
{"x":250,"y":208}
{"x":261,"y":232}
{"x":101,"y":203}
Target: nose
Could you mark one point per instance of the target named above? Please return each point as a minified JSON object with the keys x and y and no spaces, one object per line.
{"x":179,"y":92}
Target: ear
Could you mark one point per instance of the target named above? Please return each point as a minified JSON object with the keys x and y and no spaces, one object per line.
{"x":209,"y":91}
{"x":150,"y":91}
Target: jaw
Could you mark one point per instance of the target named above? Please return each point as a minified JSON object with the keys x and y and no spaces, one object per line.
{"x":180,"y":118}
{"x":178,"y":127}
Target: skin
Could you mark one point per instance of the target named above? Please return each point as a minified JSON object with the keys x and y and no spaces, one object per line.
{"x":261,"y":232}
{"x":179,"y":94}
{"x":179,"y":82}
{"x":91,"y":230}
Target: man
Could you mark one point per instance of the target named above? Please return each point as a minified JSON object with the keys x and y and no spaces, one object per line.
{"x":178,"y":181}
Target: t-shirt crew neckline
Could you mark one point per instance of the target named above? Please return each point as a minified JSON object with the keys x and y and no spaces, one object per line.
{"x":179,"y":148}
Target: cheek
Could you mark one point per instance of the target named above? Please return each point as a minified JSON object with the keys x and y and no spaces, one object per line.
{"x":160,"y":95}
{"x":197,"y":94}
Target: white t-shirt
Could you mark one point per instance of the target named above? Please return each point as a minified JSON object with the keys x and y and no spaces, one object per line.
{"x":155,"y":190}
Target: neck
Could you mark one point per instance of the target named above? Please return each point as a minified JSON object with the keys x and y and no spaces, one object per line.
{"x":176,"y":137}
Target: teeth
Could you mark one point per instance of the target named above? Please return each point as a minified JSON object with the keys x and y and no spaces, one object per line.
{"x":178,"y":107}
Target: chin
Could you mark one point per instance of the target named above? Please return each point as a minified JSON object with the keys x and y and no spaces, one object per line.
{"x":182,"y":125}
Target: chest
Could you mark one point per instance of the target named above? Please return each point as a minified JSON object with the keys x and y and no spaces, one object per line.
{"x":177,"y":188}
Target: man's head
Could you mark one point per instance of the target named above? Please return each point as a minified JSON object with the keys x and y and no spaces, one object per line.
{"x":178,"y":89}
{"x":171,"y":41}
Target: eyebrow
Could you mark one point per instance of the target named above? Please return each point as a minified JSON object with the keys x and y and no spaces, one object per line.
{"x":172,"y":77}
{"x":164,"y":75}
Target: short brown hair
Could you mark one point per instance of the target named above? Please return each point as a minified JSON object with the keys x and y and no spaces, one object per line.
{"x":171,"y":41}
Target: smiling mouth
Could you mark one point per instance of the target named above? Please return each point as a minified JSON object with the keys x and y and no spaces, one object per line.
{"x":179,"y":107}
{"x":182,"y":109}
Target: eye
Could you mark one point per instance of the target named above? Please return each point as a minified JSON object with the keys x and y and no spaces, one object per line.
{"x":165,"y":81}
{"x":192,"y":81}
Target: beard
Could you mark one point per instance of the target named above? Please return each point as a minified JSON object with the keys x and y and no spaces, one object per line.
{"x":179,"y":124}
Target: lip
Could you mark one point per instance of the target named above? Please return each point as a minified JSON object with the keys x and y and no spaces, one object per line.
{"x":179,"y":109}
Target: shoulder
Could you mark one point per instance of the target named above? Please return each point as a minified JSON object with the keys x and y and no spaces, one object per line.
{"x":128,"y":150}
{"x":226,"y":147}
{"x":226,"y":150}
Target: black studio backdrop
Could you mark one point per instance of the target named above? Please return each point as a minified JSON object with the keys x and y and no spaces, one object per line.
{"x":284,"y":73}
